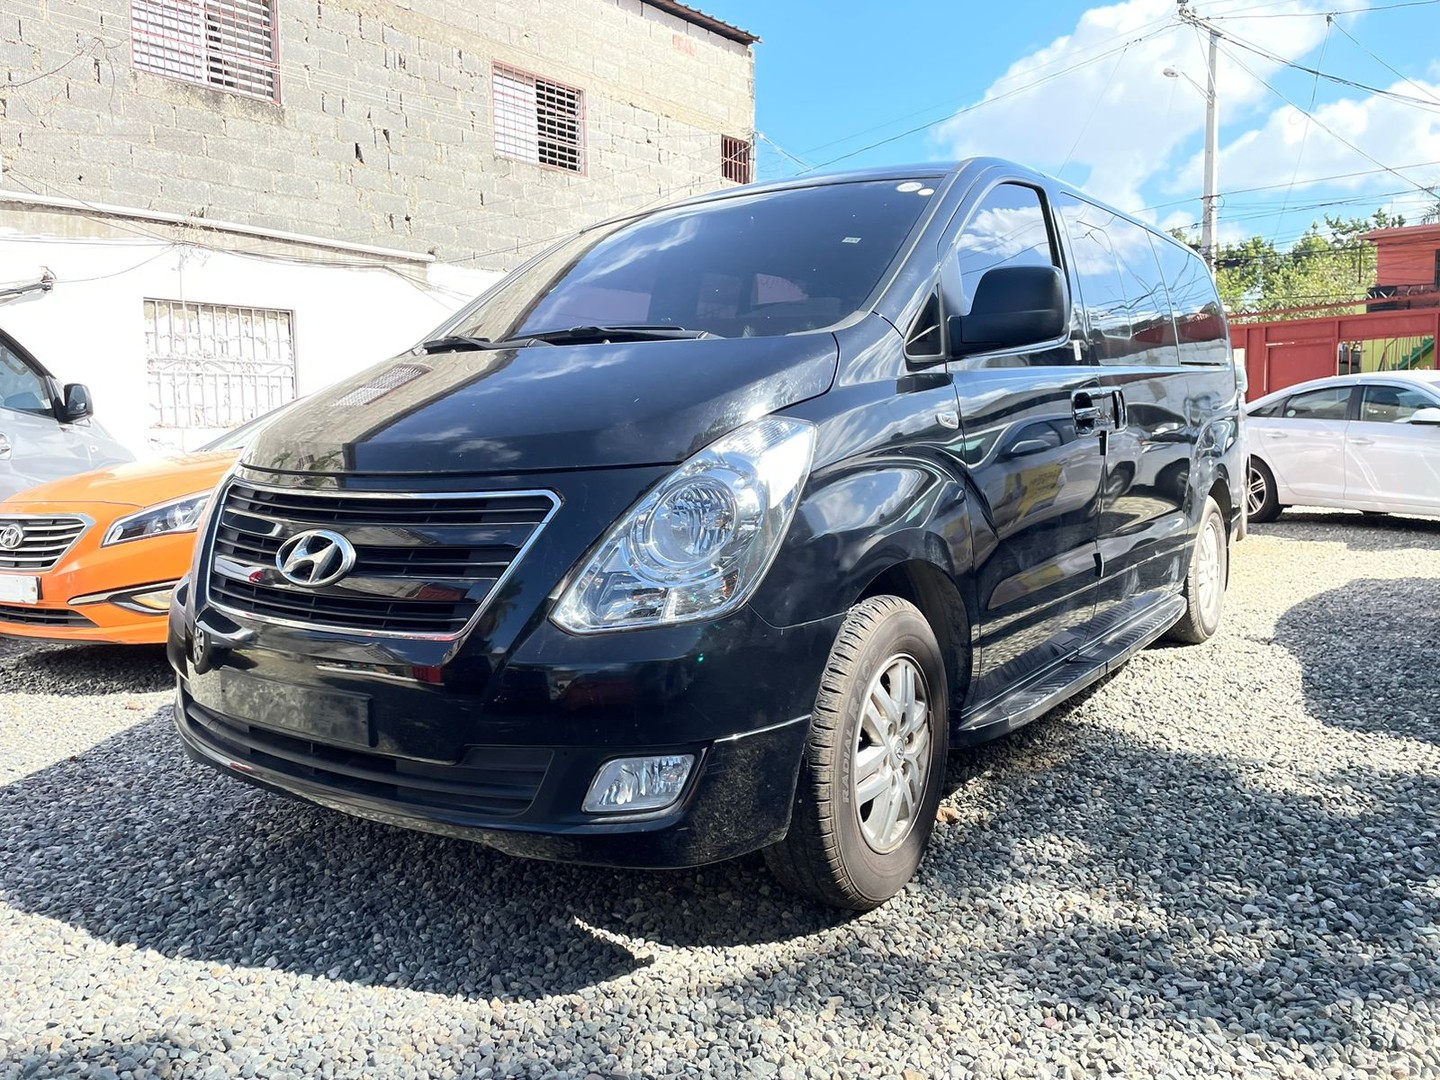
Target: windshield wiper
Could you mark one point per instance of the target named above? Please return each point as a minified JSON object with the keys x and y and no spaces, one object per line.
{"x":458,"y":342}
{"x":629,"y":332}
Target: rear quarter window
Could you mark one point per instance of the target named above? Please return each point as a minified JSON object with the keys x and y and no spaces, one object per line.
{"x":1200,"y":329}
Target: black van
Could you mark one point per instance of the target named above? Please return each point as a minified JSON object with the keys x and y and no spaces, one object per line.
{"x":711,"y":528}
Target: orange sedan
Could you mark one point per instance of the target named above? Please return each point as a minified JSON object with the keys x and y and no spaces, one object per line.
{"x":93,"y":557}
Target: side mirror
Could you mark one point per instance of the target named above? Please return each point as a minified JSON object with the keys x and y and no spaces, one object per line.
{"x":1013,"y":306}
{"x":1429,"y":415}
{"x":77,"y":404}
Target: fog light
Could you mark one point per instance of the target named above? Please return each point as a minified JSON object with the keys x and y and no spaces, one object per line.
{"x":642,"y":783}
{"x":157,"y":601}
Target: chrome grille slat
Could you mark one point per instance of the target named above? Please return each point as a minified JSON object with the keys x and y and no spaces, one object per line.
{"x":47,"y":537}
{"x":404,"y":543}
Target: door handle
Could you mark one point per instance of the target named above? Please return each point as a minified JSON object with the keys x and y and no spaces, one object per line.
{"x":1086,"y":412}
{"x":1276,"y":435}
{"x":1362,"y":442}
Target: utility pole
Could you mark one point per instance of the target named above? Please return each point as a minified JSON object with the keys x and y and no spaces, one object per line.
{"x":1210,"y":199}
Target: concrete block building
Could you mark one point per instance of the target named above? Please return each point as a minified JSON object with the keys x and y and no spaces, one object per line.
{"x":242,"y":200}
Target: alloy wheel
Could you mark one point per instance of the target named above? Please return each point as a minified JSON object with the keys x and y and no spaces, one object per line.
{"x":892,"y":753}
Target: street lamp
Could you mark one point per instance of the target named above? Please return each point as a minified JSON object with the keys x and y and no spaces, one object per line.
{"x":1210,"y":199}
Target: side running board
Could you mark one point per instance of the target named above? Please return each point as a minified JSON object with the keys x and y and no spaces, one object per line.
{"x":1053,"y":686}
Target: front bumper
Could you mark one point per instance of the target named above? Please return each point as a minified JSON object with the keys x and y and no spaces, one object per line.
{"x":103,"y":624}
{"x":509,"y":764}
{"x":90,"y":571}
{"x":738,"y":797}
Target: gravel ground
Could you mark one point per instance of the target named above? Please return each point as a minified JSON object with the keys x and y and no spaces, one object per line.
{"x":1222,"y":861}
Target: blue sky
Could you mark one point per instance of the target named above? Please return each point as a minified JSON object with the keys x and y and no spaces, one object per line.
{"x":1079,"y":90}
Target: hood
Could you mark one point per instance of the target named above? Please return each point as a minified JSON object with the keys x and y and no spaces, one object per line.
{"x":136,"y":484}
{"x":546,"y":407}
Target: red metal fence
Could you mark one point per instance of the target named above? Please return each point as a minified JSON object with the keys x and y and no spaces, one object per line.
{"x":1281,"y":354}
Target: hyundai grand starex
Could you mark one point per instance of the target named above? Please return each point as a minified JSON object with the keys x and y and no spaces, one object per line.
{"x":712,"y":528}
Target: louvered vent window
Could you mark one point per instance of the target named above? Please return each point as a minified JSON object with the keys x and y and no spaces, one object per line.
{"x":227,"y":44}
{"x":538,"y":121}
{"x":735,"y":159}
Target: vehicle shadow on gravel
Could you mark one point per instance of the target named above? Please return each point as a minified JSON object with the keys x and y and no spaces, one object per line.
{"x":1367,"y":654}
{"x":83,"y":670}
{"x":135,"y":844}
{"x":1099,"y":876}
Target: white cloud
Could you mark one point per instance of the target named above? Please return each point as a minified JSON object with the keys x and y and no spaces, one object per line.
{"x":1391,"y":132}
{"x":1119,"y":119}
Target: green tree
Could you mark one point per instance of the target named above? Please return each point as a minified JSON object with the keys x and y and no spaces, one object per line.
{"x":1330,"y":264}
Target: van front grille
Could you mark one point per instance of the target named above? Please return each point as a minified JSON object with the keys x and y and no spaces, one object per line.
{"x":425,"y":565}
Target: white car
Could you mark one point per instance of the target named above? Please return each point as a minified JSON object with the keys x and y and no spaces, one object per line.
{"x":46,"y":430}
{"x":1367,"y":442}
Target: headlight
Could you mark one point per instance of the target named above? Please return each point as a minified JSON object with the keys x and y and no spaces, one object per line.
{"x":698,"y":544}
{"x":177,"y":516}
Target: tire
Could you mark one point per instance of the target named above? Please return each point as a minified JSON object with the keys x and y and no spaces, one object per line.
{"x":1206,"y":580}
{"x":1261,"y":497}
{"x":838,"y":850}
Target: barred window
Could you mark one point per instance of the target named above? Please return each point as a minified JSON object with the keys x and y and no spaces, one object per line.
{"x":227,"y":44}
{"x":211,"y":366}
{"x":735,"y":159}
{"x":537,"y":120}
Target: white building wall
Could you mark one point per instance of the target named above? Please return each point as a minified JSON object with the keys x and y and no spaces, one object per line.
{"x":90,"y":327}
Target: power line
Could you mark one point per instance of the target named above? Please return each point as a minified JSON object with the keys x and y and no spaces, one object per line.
{"x":1429,"y":190}
{"x":1095,"y":104}
{"x":1404,"y":78}
{"x":1025,"y":88}
{"x":1275,"y":58}
{"x":947,"y":102}
{"x":1305,"y":135}
{"x":1325,"y":14}
{"x":1298,"y":183}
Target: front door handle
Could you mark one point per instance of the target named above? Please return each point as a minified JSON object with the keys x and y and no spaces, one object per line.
{"x":1086,"y":412}
{"x":1362,"y":442}
{"x":4,"y":447}
{"x":1091,"y":412}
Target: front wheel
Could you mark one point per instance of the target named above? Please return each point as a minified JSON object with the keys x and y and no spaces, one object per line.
{"x":870,"y":782}
{"x":1205,"y":584}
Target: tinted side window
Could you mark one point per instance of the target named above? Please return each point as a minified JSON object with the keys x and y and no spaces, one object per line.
{"x":1391,"y":404}
{"x":20,"y":388}
{"x":1331,"y":403}
{"x":1273,"y":409}
{"x":1121,"y":286}
{"x":1199,"y":317}
{"x":1007,"y":227}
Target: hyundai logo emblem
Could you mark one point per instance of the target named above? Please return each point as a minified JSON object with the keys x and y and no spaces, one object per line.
{"x":11,"y":537}
{"x":315,"y":558}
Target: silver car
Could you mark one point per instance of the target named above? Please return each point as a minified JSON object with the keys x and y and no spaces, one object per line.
{"x":46,"y":431}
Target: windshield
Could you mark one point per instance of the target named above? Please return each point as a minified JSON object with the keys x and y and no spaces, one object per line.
{"x":756,"y":265}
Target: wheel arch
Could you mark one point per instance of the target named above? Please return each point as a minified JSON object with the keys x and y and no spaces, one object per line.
{"x":944,"y":607}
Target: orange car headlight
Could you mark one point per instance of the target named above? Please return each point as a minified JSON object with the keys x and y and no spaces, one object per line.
{"x":176,"y":516}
